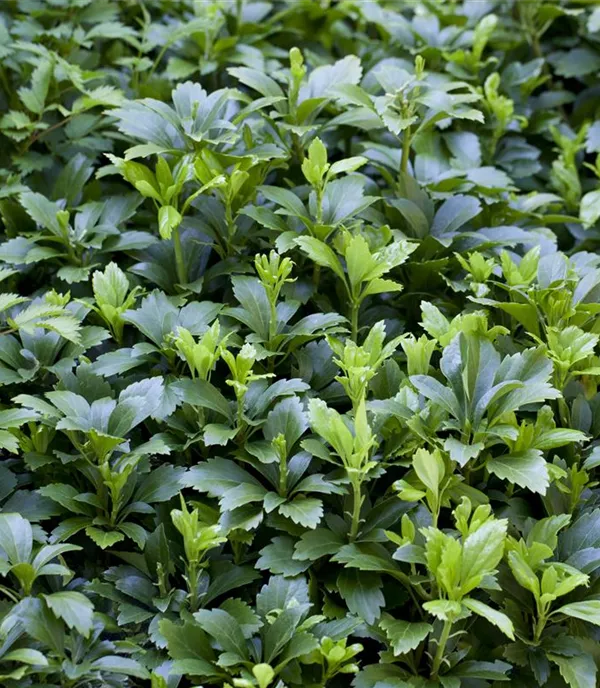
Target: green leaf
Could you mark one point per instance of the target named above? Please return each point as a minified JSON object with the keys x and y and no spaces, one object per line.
{"x":255,"y":311}
{"x":362,"y":593}
{"x":526,"y":468}
{"x":453,"y":214}
{"x":490,"y":671}
{"x":43,"y":212}
{"x":201,"y":393}
{"x":287,"y":418}
{"x":34,"y":98}
{"x":430,"y":469}
{"x":218,"y":476}
{"x":588,"y":610}
{"x":492,"y":615}
{"x":589,"y":210}
{"x":329,"y":424}
{"x":113,"y":664}
{"x":523,"y":573}
{"x":73,"y":608}
{"x":188,"y":641}
{"x":443,"y":609}
{"x":482,"y":552}
{"x":317,"y":543}
{"x":104,"y":539}
{"x":9,"y":300}
{"x":345,"y":71}
{"x":16,"y":538}
{"x":257,"y":80}
{"x":404,"y":636}
{"x":9,"y":442}
{"x":462,"y":453}
{"x":306,"y":511}
{"x":217,"y":433}
{"x":579,"y":671}
{"x":221,"y":626}
{"x":321,"y":254}
{"x":26,"y":656}
{"x":168,"y":220}
{"x":278,"y":558}
{"x":111,"y":286}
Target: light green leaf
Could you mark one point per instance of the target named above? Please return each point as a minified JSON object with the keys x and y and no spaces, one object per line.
{"x":168,"y":220}
{"x":588,"y":610}
{"x":526,"y":468}
{"x":482,"y":552}
{"x":492,"y":615}
{"x":26,"y":655}
{"x":404,"y":636}
{"x":321,"y":254}
{"x":430,"y":468}
{"x":443,"y":609}
{"x":523,"y":573}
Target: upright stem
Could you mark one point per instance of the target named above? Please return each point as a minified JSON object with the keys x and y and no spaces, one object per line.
{"x":354,"y":320}
{"x":283,"y":475}
{"x":406,"y":139}
{"x":539,"y":628}
{"x":298,"y":150}
{"x":356,"y":504}
{"x":240,"y":412}
{"x":441,"y":648}
{"x":179,"y":259}
{"x":273,"y":322}
{"x":192,"y":577}
{"x":316,"y":276}
{"x":540,"y":622}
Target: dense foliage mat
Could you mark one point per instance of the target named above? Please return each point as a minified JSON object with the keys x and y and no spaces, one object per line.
{"x":299,"y":343}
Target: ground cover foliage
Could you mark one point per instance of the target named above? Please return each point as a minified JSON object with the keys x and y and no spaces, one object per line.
{"x":299,"y":343}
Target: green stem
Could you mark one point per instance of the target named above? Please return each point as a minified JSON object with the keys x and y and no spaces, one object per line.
{"x":406,"y":139}
{"x":179,"y":259}
{"x":192,"y":581}
{"x":163,"y":580}
{"x":283,"y":475}
{"x":189,"y":199}
{"x":238,"y":552}
{"x":43,"y":132}
{"x":240,"y":413}
{"x":316,"y":278}
{"x":356,"y":505}
{"x":298,"y":150}
{"x":231,"y":228}
{"x":539,"y":628}
{"x":410,"y":586}
{"x":158,"y":60}
{"x":9,"y":593}
{"x":319,"y":193}
{"x":564,"y":414}
{"x":441,"y":648}
{"x":5,"y":83}
{"x":540,"y":622}
{"x":354,"y":320}
{"x":273,"y":323}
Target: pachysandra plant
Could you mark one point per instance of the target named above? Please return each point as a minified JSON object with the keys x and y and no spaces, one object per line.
{"x":299,"y":344}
